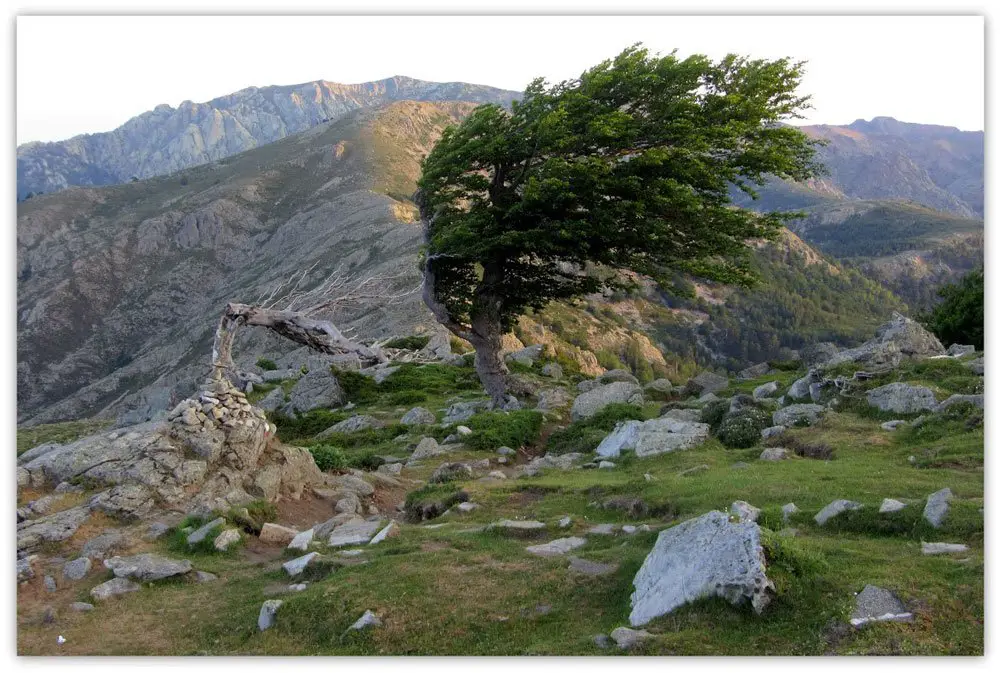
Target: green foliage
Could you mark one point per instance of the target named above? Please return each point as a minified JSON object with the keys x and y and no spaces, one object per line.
{"x":493,"y":429}
{"x":406,"y":397}
{"x":458,"y":346}
{"x":959,"y":318}
{"x":585,"y":435}
{"x":305,"y":425}
{"x":609,"y":359}
{"x":741,"y":429}
{"x":358,"y":388}
{"x":367,"y":438}
{"x":267,"y":365}
{"x":640,"y":366}
{"x":413,"y":342}
{"x":786,"y":365}
{"x":328,"y":457}
{"x":789,"y":561}
{"x":713,"y":413}
{"x":366,"y":461}
{"x":433,"y":379}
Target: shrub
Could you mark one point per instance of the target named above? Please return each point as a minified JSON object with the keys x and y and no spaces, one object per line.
{"x":406,"y":397}
{"x":328,"y":457}
{"x":432,"y":379}
{"x":358,"y":388}
{"x":368,"y":438}
{"x":785,"y":365}
{"x":305,"y":425}
{"x":366,"y":461}
{"x":458,"y":346}
{"x":413,"y":343}
{"x":741,"y":430}
{"x":713,"y":412}
{"x":609,"y":359}
{"x":267,"y":365}
{"x":493,"y":429}
{"x":959,"y":318}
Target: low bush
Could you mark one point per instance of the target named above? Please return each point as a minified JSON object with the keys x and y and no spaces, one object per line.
{"x":328,"y":457}
{"x":309,"y":424}
{"x":431,"y":379}
{"x":493,"y":429}
{"x":413,"y":343}
{"x":713,"y":413}
{"x":266,"y":365}
{"x":406,"y":397}
{"x":366,"y":461}
{"x":741,"y":429}
{"x":357,"y":387}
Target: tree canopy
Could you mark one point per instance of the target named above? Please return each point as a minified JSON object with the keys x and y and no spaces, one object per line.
{"x":960,"y":318}
{"x":629,"y":167}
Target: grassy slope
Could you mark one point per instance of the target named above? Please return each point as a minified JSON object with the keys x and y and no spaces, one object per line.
{"x":445,"y":591}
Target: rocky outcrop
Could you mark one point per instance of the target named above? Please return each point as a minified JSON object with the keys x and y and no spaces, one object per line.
{"x":589,"y":403}
{"x":902,"y":398}
{"x":894,"y":341}
{"x":706,"y":556}
{"x":652,"y":437}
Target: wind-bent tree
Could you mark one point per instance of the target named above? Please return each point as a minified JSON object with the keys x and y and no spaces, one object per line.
{"x":629,"y":167}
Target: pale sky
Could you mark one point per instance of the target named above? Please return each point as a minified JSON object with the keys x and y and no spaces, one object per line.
{"x":87,"y":74}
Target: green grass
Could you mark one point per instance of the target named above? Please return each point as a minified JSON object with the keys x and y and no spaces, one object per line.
{"x":62,"y":433}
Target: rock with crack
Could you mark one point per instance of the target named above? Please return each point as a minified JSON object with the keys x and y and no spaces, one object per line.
{"x":900,"y":338}
{"x":557,"y":547}
{"x":706,"y":556}
{"x":146,"y":567}
{"x":652,"y":437}
{"x":875,"y":604}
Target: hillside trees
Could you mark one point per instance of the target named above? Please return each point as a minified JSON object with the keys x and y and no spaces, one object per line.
{"x":627,"y":168}
{"x":959,"y":318}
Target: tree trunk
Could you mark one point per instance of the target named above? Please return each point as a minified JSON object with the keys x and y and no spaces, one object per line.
{"x":490,"y":366}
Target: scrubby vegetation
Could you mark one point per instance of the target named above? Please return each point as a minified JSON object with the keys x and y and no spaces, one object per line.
{"x":960,"y":317}
{"x":585,"y":435}
{"x":491,"y":430}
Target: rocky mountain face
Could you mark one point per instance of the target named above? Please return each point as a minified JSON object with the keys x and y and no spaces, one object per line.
{"x":168,"y":139}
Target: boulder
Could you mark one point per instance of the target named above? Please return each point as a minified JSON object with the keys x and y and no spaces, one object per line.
{"x":527,"y":356}
{"x":978,"y":366}
{"x":146,"y":567}
{"x":975,"y":400}
{"x":956,"y":350}
{"x":661,"y":386}
{"x":463,"y":411}
{"x":875,"y":604}
{"x":797,"y":414}
{"x":706,"y":556}
{"x":899,"y":338}
{"x":627,"y":638}
{"x":426,"y":448}
{"x":268,"y":614}
{"x":518,"y":526}
{"x":902,"y":398}
{"x":690,"y":415}
{"x":226,"y":539}
{"x":937,"y":507}
{"x":552,"y":398}
{"x":775,"y":454}
{"x":557,"y":547}
{"x":589,"y":403}
{"x":613,"y":375}
{"x":772,"y":431}
{"x":418,"y":416}
{"x":889,"y":505}
{"x":52,"y":528}
{"x":390,"y":468}
{"x":744,"y":511}
{"x":590,"y":568}
{"x":565,"y":461}
{"x":587,"y":385}
{"x":817,"y":354}
{"x":800,"y":389}
{"x":296,"y":566}
{"x":355,"y":531}
{"x":553,"y":371}
{"x":76,"y":569}
{"x":273,"y":534}
{"x":112,"y":588}
{"x":450,"y":472}
{"x":652,"y":437}
{"x":355,"y":423}
{"x":754,"y":371}
{"x":25,"y":568}
{"x":834,"y":508}
{"x":80,"y":606}
{"x":707,"y":382}
{"x":765,"y":390}
{"x":301,"y":541}
{"x":318,"y":389}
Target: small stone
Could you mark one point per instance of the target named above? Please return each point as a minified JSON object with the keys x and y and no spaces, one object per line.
{"x":115,"y":587}
{"x":890,"y":505}
{"x":226,"y":539}
{"x":602,"y":529}
{"x":557,"y":547}
{"x":772,"y":431}
{"x":788,"y":510}
{"x":506,"y":451}
{"x":496,"y":474}
{"x":933,"y":548}
{"x":627,"y":638}
{"x":565,"y":522}
{"x":744,"y":511}
{"x":834,"y":508}
{"x":296,"y":566}
{"x":875,"y":604}
{"x":775,"y":454}
{"x":77,"y":569}
{"x":602,"y":641}
{"x":50,"y":583}
{"x":81,"y":607}
{"x":203,"y":532}
{"x":298,"y":587}
{"x":201,"y":577}
{"x":268,"y":611}
{"x":606,"y":465}
{"x":301,"y":541}
{"x":892,"y":425}
{"x":937,"y":506}
{"x":368,"y":619}
{"x":273,"y":534}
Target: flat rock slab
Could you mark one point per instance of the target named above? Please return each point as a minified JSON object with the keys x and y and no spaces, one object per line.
{"x":301,"y":541}
{"x":557,"y":547}
{"x":902,"y":398}
{"x":834,"y":508}
{"x":146,"y":567}
{"x":112,"y":588}
{"x":937,"y":507}
{"x":389,"y":531}
{"x":358,"y":531}
{"x":590,"y":568}
{"x":508,"y":524}
{"x":889,"y":505}
{"x":296,"y":566}
{"x":706,"y":556}
{"x":602,"y":529}
{"x":934,"y":548}
{"x":203,"y":532}
{"x":272,"y":533}
{"x":875,"y":604}
{"x":52,"y":528}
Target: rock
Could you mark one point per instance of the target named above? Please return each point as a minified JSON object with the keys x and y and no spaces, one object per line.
{"x":355,"y":423}
{"x":587,"y":385}
{"x":834,"y":508}
{"x":301,"y":540}
{"x":800,"y":388}
{"x":268,"y":613}
{"x":623,"y":437}
{"x":52,"y":528}
{"x":589,"y":403}
{"x":356,"y":531}
{"x":693,"y":470}
{"x":627,"y":638}
{"x":774,"y":454}
{"x":975,"y":400}
{"x":648,"y":438}
{"x":772,"y":431}
{"x":527,"y":356}
{"x":937,"y":506}
{"x":557,"y":547}
{"x":156,"y":530}
{"x":562,"y":462}
{"x":105,"y":544}
{"x":590,"y":568}
{"x":754,"y":371}
{"x":552,"y":398}
{"x":707,"y":382}
{"x":817,"y":354}
{"x":613,"y":375}
{"x":200,"y":576}
{"x":875,"y":604}
{"x":297,"y":565}
{"x":602,"y":529}
{"x":956,"y":350}
{"x":900,"y":338}
{"x":788,"y":510}
{"x":890,"y":505}
{"x":978,"y":366}
{"x":273,"y":400}
{"x":318,"y":389}
{"x":463,"y":411}
{"x":77,"y":569}
{"x":450,"y":472}
{"x":273,"y":534}
{"x":203,"y":532}
{"x":496,"y":474}
{"x":506,"y":451}
{"x":390,"y":468}
{"x":892,"y":425}
{"x":111,"y":588}
{"x":50,"y":583}
{"x":706,"y":556}
{"x":519,"y":526}
{"x":765,"y":390}
{"x":602,"y":641}
{"x":797,"y":414}
{"x":934,"y":548}
{"x":23,"y":477}
{"x":661,"y":386}
{"x":553,"y":371}
{"x":81,"y":607}
{"x":816,"y":391}
{"x":226,"y":539}
{"x":146,"y":567}
{"x":606,"y":465}
{"x":689,"y":415}
{"x":367,"y":620}
{"x":418,"y":416}
{"x":426,"y":448}
{"x":389,"y":531}
{"x":902,"y":398}
{"x":25,"y":568}
{"x":466,"y":507}
{"x":565,"y":522}
{"x":744,"y":511}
